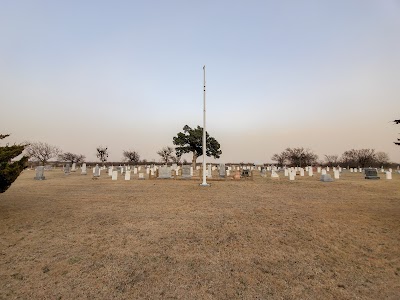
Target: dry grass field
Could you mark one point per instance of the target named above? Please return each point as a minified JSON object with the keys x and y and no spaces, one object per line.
{"x":71,"y":237}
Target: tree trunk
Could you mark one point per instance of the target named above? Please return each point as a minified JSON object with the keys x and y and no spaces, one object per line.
{"x":194,"y":161}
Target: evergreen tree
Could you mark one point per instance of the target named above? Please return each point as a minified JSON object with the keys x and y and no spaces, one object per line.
{"x":10,"y":170}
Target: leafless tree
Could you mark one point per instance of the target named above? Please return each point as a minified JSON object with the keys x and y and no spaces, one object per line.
{"x":332,"y":160}
{"x":71,"y":157}
{"x":131,"y":156}
{"x":166,"y":154}
{"x":280,"y":158}
{"x":359,"y":158}
{"x":42,"y":152}
{"x":382,"y":158}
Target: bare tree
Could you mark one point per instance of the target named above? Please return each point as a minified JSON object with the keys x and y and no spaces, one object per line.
{"x":131,"y":156}
{"x":300,"y":156}
{"x":102,"y":153}
{"x":359,"y":158}
{"x":280,"y":158}
{"x":166,"y":154}
{"x":42,"y":152}
{"x":176,"y":158}
{"x":71,"y":157}
{"x":332,"y":160}
{"x":382,"y":158}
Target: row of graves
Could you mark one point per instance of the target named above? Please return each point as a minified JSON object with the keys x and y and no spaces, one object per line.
{"x":215,"y":172}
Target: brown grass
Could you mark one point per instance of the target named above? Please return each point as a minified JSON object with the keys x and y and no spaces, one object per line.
{"x":73,"y":237}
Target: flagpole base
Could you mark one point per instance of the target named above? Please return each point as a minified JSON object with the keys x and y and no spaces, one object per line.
{"x":205,"y":184}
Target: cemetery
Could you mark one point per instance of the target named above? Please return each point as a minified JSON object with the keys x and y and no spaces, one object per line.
{"x":256,"y":232}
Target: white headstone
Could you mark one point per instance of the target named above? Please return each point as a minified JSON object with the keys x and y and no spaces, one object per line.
{"x":128,"y":175}
{"x":291,"y":175}
{"x":114,"y":175}
{"x":388,"y":175}
{"x":318,"y":169}
{"x":301,"y":172}
{"x":336,"y":174}
{"x":83,"y":169}
{"x":286,"y":172}
{"x":310,"y":171}
{"x":274,"y":174}
{"x":323,"y":172}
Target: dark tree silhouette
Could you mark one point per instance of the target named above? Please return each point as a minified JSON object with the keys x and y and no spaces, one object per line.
{"x":71,"y":157}
{"x":131,"y":156}
{"x":102,"y":153}
{"x":10,"y":170}
{"x":191,"y":140}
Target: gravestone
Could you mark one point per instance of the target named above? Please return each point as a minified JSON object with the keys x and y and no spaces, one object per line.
{"x":310,"y":171}
{"x":274,"y":175}
{"x":174,"y":166}
{"x":67,"y":169}
{"x":371,"y":174}
{"x":301,"y":172}
{"x":96,"y":171}
{"x":39,"y":173}
{"x":326,"y":178}
{"x":186,"y":172}
{"x":319,"y":170}
{"x":291,"y":175}
{"x":222,"y":171}
{"x":110,"y":170}
{"x":388,"y":175}
{"x":336,"y":174}
{"x":141,"y":176}
{"x":164,"y":172}
{"x":114,"y":175}
{"x":73,"y":169}
{"x":323,"y":172}
{"x":286,"y":172}
{"x":83,"y":169}
{"x":128,"y":175}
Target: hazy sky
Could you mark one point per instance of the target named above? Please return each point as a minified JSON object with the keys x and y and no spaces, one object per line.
{"x":323,"y":75}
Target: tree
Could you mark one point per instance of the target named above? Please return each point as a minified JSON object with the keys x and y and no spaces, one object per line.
{"x":382,"y":158}
{"x":398,"y":140}
{"x":166,"y":154}
{"x":176,"y":158}
{"x":131,"y":156}
{"x":191,"y":140}
{"x":359,"y":158}
{"x":10,"y":170}
{"x":332,"y":160}
{"x":280,"y":158}
{"x":42,"y":152}
{"x":300,"y":156}
{"x":71,"y":157}
{"x":102,"y":153}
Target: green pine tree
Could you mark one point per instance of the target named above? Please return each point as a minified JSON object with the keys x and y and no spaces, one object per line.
{"x":9,"y":171}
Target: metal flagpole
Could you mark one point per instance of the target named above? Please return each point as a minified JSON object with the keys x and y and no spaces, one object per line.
{"x":204,"y":130}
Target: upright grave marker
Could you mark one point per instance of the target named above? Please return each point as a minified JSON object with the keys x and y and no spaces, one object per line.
{"x":39,"y":173}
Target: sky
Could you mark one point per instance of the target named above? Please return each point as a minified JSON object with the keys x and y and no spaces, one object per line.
{"x":322,"y":75}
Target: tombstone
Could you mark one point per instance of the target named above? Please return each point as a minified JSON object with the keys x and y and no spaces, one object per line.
{"x":209,"y":171}
{"x":135,"y":170}
{"x":310,"y":171}
{"x":355,"y":170}
{"x":114,"y":175}
{"x":39,"y":173}
{"x":73,"y":169}
{"x":286,"y":172}
{"x":67,"y":169}
{"x":128,"y":175}
{"x":141,"y":176}
{"x":110,"y":170}
{"x":147,"y":170}
{"x":96,"y":171}
{"x":326,"y":178}
{"x":164,"y":172}
{"x":187,"y":172}
{"x":319,"y":170}
{"x":301,"y":172}
{"x":83,"y":169}
{"x":222,"y":171}
{"x":274,"y":175}
{"x":327,"y":169}
{"x":371,"y":174}
{"x":323,"y":172}
{"x":390,"y":170}
{"x":388,"y":175}
{"x":351,"y":170}
{"x":336,"y":174}
{"x":174,"y":166}
{"x":340,"y":169}
{"x":291,"y":175}
{"x":228,"y":172}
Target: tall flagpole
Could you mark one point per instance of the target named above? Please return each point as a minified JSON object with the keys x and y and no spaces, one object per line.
{"x":204,"y":129}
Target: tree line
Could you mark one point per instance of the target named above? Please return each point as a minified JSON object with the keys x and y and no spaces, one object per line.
{"x":351,"y":158}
